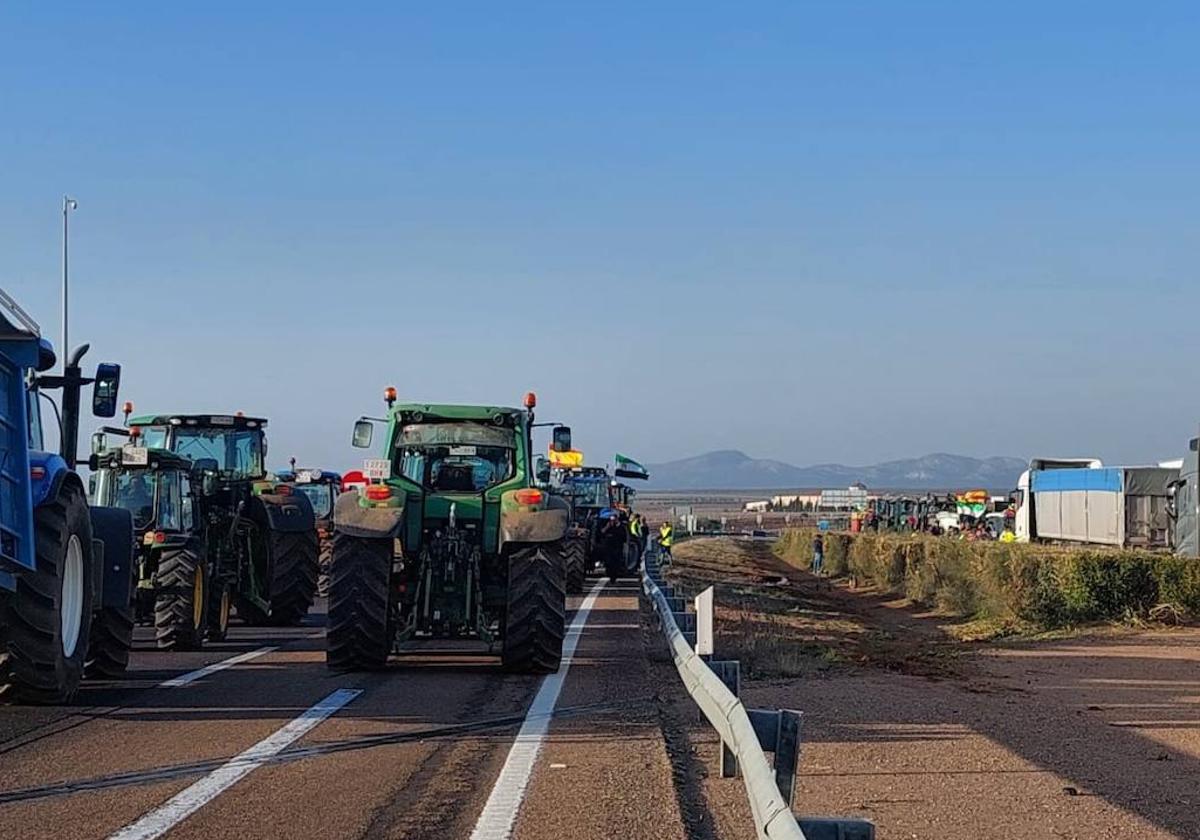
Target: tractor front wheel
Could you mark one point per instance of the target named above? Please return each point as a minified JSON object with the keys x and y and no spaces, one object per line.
{"x":220,"y":601}
{"x":359,"y":637}
{"x":535,"y":614}
{"x":574,"y":552}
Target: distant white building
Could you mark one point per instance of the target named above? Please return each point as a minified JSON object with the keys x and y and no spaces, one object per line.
{"x":853,"y":497}
{"x":757,"y":507}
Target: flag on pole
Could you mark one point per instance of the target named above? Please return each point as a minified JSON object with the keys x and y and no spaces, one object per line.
{"x":629,"y":468}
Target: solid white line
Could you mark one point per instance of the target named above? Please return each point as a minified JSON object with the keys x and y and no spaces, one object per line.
{"x":500,"y":812}
{"x":192,"y":676}
{"x":191,"y":799}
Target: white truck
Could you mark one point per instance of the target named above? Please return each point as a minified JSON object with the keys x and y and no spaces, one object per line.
{"x":1117,"y":506}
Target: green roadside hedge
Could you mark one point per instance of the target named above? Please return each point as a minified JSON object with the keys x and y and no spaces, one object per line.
{"x":1049,"y":586}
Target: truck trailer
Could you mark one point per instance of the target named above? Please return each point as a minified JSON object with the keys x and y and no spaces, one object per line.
{"x":1127,"y":507}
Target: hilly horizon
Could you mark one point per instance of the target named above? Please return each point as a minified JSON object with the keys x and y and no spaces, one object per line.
{"x":732,"y":469}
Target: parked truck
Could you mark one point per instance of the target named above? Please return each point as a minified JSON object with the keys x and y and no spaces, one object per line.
{"x":1118,"y":506}
{"x":1024,"y":519}
{"x":65,"y":569}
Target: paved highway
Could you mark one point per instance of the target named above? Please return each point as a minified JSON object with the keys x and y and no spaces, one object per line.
{"x":254,"y":737}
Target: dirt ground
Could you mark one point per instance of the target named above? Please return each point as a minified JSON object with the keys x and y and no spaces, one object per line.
{"x":1091,"y":736}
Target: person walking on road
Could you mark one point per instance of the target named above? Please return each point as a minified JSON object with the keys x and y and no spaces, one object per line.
{"x":818,"y":553}
{"x":666,"y":536}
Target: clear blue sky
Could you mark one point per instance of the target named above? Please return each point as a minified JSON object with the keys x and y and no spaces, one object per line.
{"x":813,"y":231}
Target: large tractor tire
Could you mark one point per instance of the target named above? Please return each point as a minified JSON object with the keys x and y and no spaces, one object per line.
{"x":535,"y":617}
{"x":220,"y":602}
{"x":574,"y":554}
{"x":324,"y":562}
{"x":111,"y":642}
{"x":112,"y":625}
{"x":179,"y":608}
{"x":294,"y":570}
{"x":360,"y":635}
{"x":47,"y":621}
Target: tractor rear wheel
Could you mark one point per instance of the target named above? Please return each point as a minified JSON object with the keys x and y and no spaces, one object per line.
{"x":573,"y":557}
{"x":46,"y":622}
{"x":182,"y":598}
{"x":535,"y":616}
{"x":359,"y":635}
{"x":294,"y":571}
{"x":324,"y":561}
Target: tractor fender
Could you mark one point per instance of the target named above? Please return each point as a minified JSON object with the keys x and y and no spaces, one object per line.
{"x":283,"y":514}
{"x":521,"y":525}
{"x":113,"y":529}
{"x":53,"y":472}
{"x":351,"y":518}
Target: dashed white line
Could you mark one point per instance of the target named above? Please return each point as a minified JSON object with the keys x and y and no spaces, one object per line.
{"x":500,"y":813}
{"x":192,"y":676}
{"x":191,"y":799}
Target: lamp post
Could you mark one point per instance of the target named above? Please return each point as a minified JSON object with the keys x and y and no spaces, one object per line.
{"x":69,"y":204}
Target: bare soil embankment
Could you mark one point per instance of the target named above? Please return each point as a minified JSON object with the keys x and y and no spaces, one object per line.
{"x":1093,"y":736}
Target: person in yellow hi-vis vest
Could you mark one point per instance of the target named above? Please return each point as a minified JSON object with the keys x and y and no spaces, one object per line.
{"x":666,"y":536}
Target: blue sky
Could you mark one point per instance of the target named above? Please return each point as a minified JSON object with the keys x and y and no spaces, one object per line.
{"x":813,"y":231}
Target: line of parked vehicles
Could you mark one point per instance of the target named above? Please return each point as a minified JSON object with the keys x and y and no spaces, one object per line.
{"x":456,"y":531}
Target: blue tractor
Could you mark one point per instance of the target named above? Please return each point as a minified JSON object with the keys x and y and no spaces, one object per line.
{"x":66,"y":577}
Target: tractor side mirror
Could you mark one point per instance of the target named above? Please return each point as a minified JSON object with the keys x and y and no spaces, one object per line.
{"x":364,"y":431}
{"x":99,"y":442}
{"x":541,"y":468}
{"x":93,"y":462}
{"x":105,"y":389}
{"x":562,"y":439}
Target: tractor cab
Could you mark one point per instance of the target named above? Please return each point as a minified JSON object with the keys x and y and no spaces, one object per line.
{"x":154,"y":485}
{"x":322,"y":488}
{"x":234,"y":445}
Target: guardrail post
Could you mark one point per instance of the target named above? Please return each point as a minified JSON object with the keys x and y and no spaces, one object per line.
{"x":787,"y":754}
{"x":686,"y":622}
{"x":728,"y":671}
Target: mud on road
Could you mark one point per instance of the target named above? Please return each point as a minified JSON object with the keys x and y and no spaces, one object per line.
{"x":1093,"y":736}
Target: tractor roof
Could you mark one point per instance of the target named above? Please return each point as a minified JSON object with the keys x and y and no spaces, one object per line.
{"x":160,"y":459}
{"x":235,"y":421}
{"x":433,"y":411}
{"x":314,"y":476}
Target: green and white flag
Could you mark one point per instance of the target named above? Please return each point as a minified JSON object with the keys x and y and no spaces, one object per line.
{"x":629,"y":468}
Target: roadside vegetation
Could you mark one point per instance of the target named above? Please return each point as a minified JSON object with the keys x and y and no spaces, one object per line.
{"x":1005,"y":588}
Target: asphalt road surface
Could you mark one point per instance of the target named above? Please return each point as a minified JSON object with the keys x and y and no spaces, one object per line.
{"x":254,"y":737}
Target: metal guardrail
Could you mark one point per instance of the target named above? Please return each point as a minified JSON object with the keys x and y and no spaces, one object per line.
{"x":745,"y":733}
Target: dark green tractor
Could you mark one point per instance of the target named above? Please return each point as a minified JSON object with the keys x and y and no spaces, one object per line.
{"x":176,"y":589}
{"x":451,"y":539}
{"x":262,"y":538}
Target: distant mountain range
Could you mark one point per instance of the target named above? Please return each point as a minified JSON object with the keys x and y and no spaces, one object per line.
{"x":733,"y":470}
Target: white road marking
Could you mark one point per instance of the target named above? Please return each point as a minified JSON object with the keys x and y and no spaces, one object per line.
{"x":192,"y":676}
{"x":500,"y":812}
{"x":191,"y":799}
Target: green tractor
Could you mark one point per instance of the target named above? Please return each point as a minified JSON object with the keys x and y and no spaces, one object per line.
{"x":261,"y":537}
{"x":175,"y":580}
{"x":450,"y":540}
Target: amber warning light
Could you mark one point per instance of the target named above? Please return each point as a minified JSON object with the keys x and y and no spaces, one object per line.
{"x":530,"y":400}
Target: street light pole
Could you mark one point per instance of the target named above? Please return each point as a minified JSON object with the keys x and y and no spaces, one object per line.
{"x":69,"y":204}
